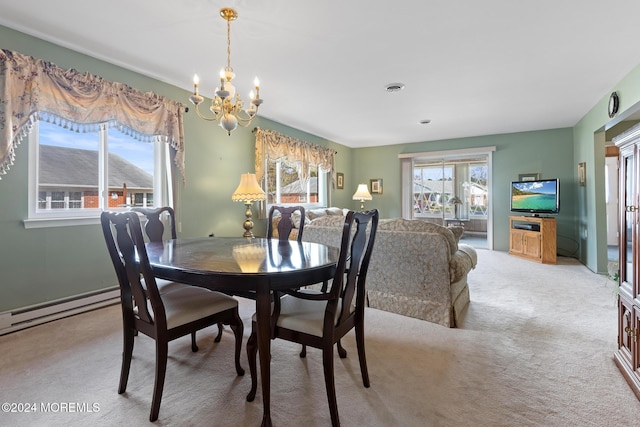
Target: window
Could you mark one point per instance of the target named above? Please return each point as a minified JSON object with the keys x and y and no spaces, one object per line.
{"x":449,"y":187}
{"x":437,"y":183}
{"x":284,"y":186}
{"x":293,"y":172}
{"x":78,"y":175}
{"x":432,"y":190}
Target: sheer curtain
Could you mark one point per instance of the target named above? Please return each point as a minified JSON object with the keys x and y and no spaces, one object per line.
{"x":31,"y":89}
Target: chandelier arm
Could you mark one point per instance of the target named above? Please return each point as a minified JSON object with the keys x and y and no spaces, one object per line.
{"x":246,"y":120}
{"x":202,"y":116}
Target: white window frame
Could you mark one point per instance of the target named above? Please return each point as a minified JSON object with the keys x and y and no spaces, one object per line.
{"x":38,"y":218}
{"x":406,"y":171}
{"x":323,"y":193}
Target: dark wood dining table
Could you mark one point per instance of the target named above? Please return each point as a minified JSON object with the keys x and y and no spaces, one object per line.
{"x":252,"y":267}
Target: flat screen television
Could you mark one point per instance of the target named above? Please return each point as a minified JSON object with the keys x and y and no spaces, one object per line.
{"x":537,"y":197}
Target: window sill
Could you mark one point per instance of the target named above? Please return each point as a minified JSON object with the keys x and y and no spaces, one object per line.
{"x":59,"y":222}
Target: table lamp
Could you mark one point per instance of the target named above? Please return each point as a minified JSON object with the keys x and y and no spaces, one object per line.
{"x":248,"y":191}
{"x":455,"y":201}
{"x":362,"y":194}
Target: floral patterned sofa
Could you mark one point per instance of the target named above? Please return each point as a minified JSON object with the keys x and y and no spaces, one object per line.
{"x":417,"y":269}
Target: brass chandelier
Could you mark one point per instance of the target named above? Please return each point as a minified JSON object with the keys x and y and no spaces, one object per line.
{"x":227,"y":106}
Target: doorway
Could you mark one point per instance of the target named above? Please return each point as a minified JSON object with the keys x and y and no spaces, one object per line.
{"x":611,"y":200}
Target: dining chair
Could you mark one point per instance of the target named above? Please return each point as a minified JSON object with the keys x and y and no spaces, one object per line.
{"x":155,"y":231}
{"x":162,"y":317}
{"x":286,"y":224}
{"x":320,"y":319}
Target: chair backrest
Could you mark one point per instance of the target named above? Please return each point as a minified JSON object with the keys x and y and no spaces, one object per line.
{"x":286,"y":223}
{"x":154,"y":226}
{"x":353,"y":263}
{"x":123,"y":235}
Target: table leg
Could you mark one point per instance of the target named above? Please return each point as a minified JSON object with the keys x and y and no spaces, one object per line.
{"x":263,"y":319}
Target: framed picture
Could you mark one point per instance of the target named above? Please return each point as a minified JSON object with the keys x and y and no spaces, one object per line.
{"x":376,"y":185}
{"x":582,"y":174}
{"x":528,"y":176}
{"x":340,"y":181}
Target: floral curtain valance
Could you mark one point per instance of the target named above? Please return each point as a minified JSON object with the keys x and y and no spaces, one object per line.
{"x":31,"y":88}
{"x":272,"y":145}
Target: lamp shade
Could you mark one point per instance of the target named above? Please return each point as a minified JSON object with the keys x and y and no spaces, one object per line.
{"x":362,"y":193}
{"x":248,"y":190}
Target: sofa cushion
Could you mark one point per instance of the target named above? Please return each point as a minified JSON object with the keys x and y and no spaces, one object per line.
{"x":401,"y":224}
{"x":328,"y":221}
{"x":457,"y":231}
{"x":316,"y":213}
{"x":335,"y":211}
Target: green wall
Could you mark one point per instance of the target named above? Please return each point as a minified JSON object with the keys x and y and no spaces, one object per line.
{"x":589,"y":140}
{"x":548,"y":152}
{"x":47,"y":264}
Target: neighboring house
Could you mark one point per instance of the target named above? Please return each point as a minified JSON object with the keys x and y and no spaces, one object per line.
{"x":296,"y":192}
{"x":68,"y":180}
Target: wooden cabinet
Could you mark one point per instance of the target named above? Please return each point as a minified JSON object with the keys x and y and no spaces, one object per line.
{"x":627,"y":356}
{"x":533,"y":238}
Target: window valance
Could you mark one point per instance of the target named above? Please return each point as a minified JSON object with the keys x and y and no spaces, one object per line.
{"x":32,"y":88}
{"x":272,"y":145}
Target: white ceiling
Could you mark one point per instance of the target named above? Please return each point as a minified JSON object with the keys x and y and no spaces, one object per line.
{"x":472,"y":67}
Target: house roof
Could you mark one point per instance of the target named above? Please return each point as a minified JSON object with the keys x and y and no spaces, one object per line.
{"x":298,"y":187}
{"x":63,"y":166}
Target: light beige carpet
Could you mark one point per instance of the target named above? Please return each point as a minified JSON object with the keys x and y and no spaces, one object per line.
{"x":535,"y":349}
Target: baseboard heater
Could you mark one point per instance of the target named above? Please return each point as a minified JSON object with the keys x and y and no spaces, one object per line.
{"x":11,"y":321}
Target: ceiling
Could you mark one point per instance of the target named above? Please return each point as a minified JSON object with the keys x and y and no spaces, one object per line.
{"x":471,"y":67}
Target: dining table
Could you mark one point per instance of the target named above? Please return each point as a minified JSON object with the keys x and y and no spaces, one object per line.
{"x":248,"y":267}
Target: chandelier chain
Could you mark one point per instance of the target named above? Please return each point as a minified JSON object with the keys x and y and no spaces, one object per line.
{"x":229,"y":45}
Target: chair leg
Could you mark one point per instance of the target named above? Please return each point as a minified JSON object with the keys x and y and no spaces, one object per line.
{"x":252,"y":351}
{"x":219,"y":336}
{"x":341,"y":351}
{"x":194,"y":346}
{"x":127,"y":352}
{"x":162,"y":350}
{"x":238,"y":330}
{"x":327,"y":362}
{"x":303,"y":352}
{"x":361,"y":354}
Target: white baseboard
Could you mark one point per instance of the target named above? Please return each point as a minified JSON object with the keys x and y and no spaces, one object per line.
{"x":11,"y":321}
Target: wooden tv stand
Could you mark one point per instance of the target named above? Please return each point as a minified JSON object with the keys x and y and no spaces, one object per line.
{"x":535,"y":240}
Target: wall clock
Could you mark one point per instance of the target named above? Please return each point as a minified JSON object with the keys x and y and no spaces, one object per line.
{"x":614,"y":104}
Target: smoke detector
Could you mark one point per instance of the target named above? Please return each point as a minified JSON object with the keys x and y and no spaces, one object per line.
{"x":394,"y":87}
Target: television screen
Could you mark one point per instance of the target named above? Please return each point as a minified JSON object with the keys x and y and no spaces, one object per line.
{"x":536,"y":197}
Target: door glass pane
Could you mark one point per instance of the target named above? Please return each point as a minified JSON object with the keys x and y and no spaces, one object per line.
{"x":432,"y":189}
{"x":628,"y":229}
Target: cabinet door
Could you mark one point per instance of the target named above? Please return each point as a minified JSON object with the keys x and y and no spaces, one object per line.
{"x":517,"y":242}
{"x":532,"y":245}
{"x":626,"y":341}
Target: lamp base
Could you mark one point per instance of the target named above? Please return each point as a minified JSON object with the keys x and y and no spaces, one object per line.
{"x":248,"y":223}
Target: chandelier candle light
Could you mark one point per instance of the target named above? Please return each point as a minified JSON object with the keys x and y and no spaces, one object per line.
{"x":248,"y":191}
{"x":362,"y":194}
{"x":227,"y":106}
